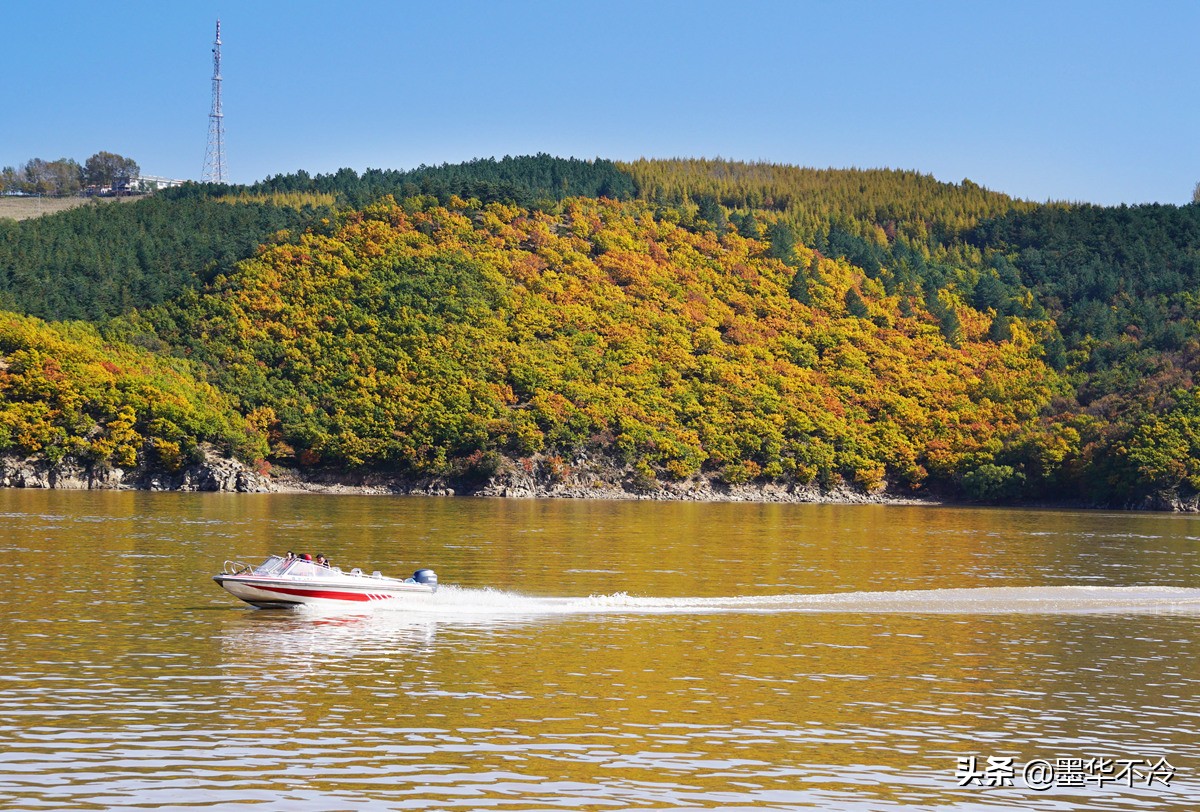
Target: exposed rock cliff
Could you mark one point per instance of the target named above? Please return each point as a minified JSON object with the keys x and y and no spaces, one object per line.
{"x":212,"y":473}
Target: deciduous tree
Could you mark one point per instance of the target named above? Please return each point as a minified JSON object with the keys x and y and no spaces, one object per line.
{"x":111,"y":171}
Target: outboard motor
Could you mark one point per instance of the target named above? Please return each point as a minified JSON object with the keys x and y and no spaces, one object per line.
{"x":426,"y":577}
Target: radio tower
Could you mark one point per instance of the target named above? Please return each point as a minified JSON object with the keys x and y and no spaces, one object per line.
{"x":214,"y":154}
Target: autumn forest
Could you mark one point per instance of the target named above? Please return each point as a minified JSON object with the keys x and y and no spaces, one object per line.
{"x":875,"y":331}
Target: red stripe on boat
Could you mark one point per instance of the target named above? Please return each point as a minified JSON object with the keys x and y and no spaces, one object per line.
{"x":323,"y":593}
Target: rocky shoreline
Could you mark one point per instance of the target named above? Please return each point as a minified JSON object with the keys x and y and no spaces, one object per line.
{"x":547,"y":478}
{"x":213,"y":473}
{"x":526,"y":479}
{"x":692,"y":491}
{"x":514,"y":481}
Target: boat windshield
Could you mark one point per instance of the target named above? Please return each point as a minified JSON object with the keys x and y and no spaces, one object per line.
{"x":294,"y":567}
{"x":272,"y":566}
{"x":305,"y":569}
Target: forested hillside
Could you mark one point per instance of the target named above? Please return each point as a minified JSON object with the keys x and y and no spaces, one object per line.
{"x":65,"y":391}
{"x":676,"y":319}
{"x":94,"y":262}
{"x":914,"y":206}
{"x":432,"y":339}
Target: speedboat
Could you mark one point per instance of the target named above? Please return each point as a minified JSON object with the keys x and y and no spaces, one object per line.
{"x":281,"y":582}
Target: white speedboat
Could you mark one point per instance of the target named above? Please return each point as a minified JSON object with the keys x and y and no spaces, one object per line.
{"x":281,"y":582}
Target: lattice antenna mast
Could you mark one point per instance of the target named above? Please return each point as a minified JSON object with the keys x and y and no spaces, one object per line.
{"x":214,"y":154}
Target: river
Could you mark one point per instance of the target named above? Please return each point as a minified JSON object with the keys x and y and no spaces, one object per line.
{"x":600,"y":655}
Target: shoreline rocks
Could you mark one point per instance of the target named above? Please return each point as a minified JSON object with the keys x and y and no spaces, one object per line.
{"x":537,"y":478}
{"x":215,"y":473}
{"x":212,"y":473}
{"x":548,"y":478}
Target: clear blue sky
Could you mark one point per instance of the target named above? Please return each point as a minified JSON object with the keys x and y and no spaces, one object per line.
{"x":1091,"y":101}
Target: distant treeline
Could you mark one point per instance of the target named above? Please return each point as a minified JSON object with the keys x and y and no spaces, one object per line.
{"x":876,"y":204}
{"x":66,"y":176}
{"x":526,"y":181}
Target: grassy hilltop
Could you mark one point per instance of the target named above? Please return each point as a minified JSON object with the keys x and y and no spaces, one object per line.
{"x":23,"y":207}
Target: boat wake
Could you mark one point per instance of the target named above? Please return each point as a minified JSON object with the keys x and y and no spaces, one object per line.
{"x":381,"y":630}
{"x":461,"y":602}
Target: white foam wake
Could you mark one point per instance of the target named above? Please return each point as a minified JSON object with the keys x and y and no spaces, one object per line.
{"x":460,"y":601}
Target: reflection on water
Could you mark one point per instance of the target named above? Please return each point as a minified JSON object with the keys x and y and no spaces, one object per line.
{"x":592,"y":656}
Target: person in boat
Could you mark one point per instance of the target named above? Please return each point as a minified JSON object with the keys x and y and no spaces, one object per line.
{"x":290,"y":556}
{"x":322,"y":560}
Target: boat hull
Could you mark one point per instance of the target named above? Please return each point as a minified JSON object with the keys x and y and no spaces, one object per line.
{"x":275,"y":593}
